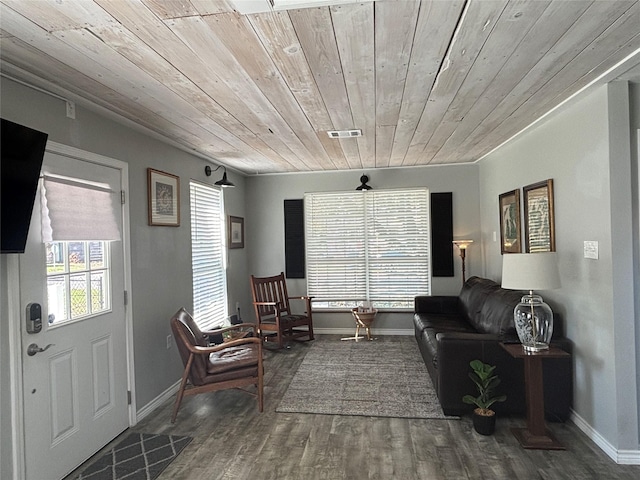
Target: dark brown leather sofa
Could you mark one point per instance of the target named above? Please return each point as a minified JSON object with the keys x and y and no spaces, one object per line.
{"x":453,"y":330}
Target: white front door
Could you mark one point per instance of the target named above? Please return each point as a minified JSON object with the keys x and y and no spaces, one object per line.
{"x":75,"y":389}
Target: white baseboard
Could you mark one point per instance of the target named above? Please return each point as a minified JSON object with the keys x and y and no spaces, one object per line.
{"x":621,"y":457}
{"x":374,"y":331}
{"x":158,"y":401}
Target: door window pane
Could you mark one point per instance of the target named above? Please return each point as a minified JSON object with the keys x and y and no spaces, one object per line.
{"x":78,"y":280}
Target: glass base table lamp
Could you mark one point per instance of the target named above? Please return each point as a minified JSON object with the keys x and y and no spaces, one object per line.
{"x":532,"y":317}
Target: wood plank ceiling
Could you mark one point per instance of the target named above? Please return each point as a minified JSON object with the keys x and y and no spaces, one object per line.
{"x":427,"y":82}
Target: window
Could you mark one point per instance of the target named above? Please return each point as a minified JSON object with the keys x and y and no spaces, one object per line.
{"x":78,"y":280}
{"x":370,"y":246}
{"x":207,"y":256}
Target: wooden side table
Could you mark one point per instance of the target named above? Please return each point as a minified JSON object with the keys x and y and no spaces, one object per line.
{"x":364,"y":320}
{"x":536,"y":435}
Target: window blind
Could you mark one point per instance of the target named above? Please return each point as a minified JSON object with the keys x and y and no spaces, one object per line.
{"x":73,"y":209}
{"x":207,"y":256}
{"x":368,"y":246}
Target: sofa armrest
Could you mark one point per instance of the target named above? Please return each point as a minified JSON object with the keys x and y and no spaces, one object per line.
{"x":442,"y":304}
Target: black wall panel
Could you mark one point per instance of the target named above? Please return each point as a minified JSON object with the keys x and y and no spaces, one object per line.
{"x":294,"y":251}
{"x":442,"y":234}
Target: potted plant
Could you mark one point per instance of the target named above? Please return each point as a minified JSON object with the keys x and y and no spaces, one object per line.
{"x":484,"y":419}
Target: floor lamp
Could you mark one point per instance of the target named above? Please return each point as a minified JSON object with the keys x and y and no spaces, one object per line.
{"x":462,"y":246}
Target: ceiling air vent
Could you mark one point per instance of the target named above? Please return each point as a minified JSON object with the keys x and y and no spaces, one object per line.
{"x":344,"y":133}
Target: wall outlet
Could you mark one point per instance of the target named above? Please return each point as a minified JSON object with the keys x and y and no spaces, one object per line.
{"x":168,"y":342}
{"x":71,"y":110}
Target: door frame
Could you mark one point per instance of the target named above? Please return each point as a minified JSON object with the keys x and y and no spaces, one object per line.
{"x":14,"y":309}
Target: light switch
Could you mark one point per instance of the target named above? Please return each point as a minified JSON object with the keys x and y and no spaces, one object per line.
{"x":591,"y":249}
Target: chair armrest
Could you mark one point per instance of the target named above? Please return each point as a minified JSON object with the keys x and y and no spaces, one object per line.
{"x":198,"y":350}
{"x":238,"y":330}
{"x":237,"y":326}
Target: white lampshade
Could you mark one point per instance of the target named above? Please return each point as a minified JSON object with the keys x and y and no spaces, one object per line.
{"x":462,"y":244}
{"x":530,"y":271}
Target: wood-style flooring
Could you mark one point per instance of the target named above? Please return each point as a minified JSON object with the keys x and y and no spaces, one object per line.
{"x":231,"y":440}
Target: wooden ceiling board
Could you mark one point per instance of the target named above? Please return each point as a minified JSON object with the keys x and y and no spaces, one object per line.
{"x":434,"y":29}
{"x":137,"y":84}
{"x":15,"y":23}
{"x":254,"y":110}
{"x":427,"y":81}
{"x":589,"y":26}
{"x":209,"y":7}
{"x":278,"y":37}
{"x":353,"y":26}
{"x":60,"y":16}
{"x":239,"y":38}
{"x":24,"y":56}
{"x":395,"y":25}
{"x":613,"y":45}
{"x":314,"y":29}
{"x":153,"y":32}
{"x":166,"y":9}
{"x":507,"y":37}
{"x":537,"y":42}
{"x":476,"y":24}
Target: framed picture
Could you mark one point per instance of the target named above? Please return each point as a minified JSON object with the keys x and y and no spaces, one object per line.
{"x":510,"y":239}
{"x":163,"y":190}
{"x":236,"y":232}
{"x":539,"y":225}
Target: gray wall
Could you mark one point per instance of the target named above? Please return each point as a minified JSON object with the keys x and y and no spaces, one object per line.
{"x":585,"y":149}
{"x":634,"y":114}
{"x":265,"y":224}
{"x":160,"y":256}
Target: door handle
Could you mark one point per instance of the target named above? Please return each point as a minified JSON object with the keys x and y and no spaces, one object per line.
{"x":34,"y":348}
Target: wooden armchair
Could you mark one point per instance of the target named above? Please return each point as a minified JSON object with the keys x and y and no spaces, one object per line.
{"x":233,"y":364}
{"x":273,"y":311}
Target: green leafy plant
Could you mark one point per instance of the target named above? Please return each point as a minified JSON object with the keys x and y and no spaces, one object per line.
{"x":482,"y":375}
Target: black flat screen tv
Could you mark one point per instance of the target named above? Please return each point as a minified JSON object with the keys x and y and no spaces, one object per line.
{"x":22,"y":153}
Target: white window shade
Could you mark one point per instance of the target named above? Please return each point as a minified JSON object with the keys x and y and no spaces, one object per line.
{"x":368,"y":246}
{"x":398,"y":244}
{"x":336,"y":258}
{"x":73,"y":209}
{"x":207,"y":256}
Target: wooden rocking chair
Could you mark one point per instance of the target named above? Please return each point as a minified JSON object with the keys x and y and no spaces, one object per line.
{"x":273,"y":311}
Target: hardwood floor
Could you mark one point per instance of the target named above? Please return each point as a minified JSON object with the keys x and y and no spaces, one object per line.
{"x":231,"y":440}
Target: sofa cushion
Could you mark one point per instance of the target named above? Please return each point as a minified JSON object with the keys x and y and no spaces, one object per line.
{"x":472,"y":297}
{"x":441,"y":323}
{"x":496,"y":315}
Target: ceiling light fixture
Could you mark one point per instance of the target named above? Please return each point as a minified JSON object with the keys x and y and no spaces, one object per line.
{"x":223,"y":182}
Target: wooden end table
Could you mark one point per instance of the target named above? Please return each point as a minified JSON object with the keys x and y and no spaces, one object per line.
{"x":536,"y":435}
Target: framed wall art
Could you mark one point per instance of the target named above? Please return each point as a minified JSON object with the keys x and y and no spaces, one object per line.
{"x":510,"y":238}
{"x":236,"y":232}
{"x":163,"y":191}
{"x":539,"y":224}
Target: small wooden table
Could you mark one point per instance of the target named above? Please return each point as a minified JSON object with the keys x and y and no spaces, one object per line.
{"x":536,"y":435}
{"x":363,"y":319}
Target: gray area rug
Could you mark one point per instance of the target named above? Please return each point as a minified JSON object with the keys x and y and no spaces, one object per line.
{"x":140,"y":456}
{"x":381,"y":378}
